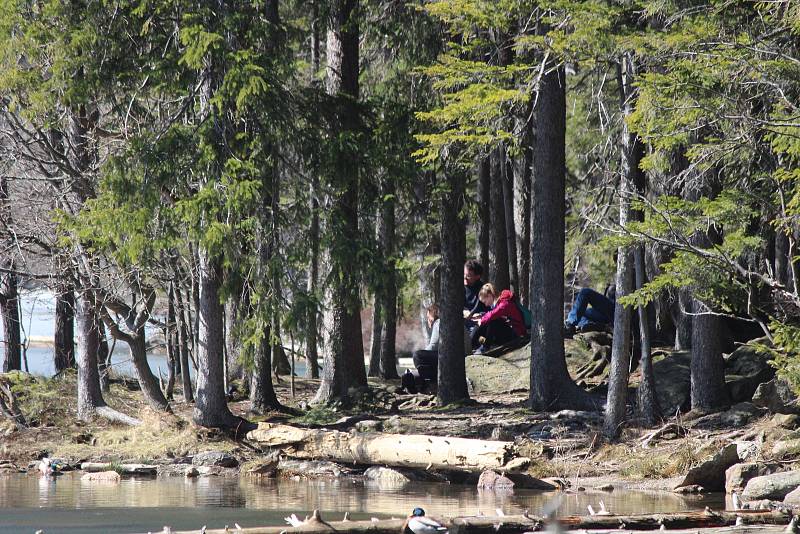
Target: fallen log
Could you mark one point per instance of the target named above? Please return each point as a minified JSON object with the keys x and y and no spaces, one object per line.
{"x":773,"y":522}
{"x":373,"y":448}
{"x":123,"y":469}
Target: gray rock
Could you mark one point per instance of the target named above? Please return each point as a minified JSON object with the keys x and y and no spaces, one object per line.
{"x":747,"y":360}
{"x":215,"y":471}
{"x":595,"y":338}
{"x":386,"y":477}
{"x":783,"y":448}
{"x":793,"y":498}
{"x":312,"y":469}
{"x":177,"y":470}
{"x":736,"y":416}
{"x":737,"y":476}
{"x":774,"y":486}
{"x":491,"y":480}
{"x":691,"y":489}
{"x":710,"y":474}
{"x":787,"y":421}
{"x":777,"y":397}
{"x":371,"y":425}
{"x":214,"y":458}
{"x":742,"y":388}
{"x":673,"y":382}
{"x":495,"y":375}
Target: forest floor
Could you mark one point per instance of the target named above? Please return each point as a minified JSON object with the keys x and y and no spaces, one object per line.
{"x":565,"y":444}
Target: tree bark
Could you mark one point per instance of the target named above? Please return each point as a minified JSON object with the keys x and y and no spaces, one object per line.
{"x":782,"y":257}
{"x":312,"y":314}
{"x":386,"y":230}
{"x":484,"y":210}
{"x":90,"y":398}
{"x":649,"y":409}
{"x":9,"y":309}
{"x":344,"y":360}
{"x":375,"y":343}
{"x":708,"y":366}
{"x":683,"y":320}
{"x":183,"y":333}
{"x":498,"y":240}
{"x":452,"y":378}
{"x":508,"y":209}
{"x":64,"y":331}
{"x":211,"y":407}
{"x":522,"y":206}
{"x":621,"y":346}
{"x":551,"y":386}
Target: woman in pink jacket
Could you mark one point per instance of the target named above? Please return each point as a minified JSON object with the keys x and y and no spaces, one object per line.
{"x":501,"y":324}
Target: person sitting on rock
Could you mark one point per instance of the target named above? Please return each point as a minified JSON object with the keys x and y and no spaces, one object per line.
{"x":501,"y":324}
{"x":591,"y":311}
{"x":427,"y":360}
{"x":473,"y":307}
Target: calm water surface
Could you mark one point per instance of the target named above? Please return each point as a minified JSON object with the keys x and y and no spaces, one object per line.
{"x":65,"y":505}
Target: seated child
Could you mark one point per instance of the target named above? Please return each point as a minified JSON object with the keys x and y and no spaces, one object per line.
{"x":501,"y":324}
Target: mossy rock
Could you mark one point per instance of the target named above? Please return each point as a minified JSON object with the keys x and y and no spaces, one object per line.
{"x":673,"y":382}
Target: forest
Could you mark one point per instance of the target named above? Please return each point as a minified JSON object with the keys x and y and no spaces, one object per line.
{"x":252,"y":180}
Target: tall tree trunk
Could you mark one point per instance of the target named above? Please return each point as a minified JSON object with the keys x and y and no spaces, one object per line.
{"x":89,"y":395}
{"x":551,"y":386}
{"x":9,"y":309}
{"x":522,"y":205}
{"x":386,"y":231}
{"x":312,"y":315}
{"x":683,"y":320}
{"x":708,"y":366}
{"x":452,"y":378}
{"x":484,"y":210}
{"x":621,"y":346}
{"x":262,"y":393}
{"x":498,"y":242}
{"x":9,"y":298}
{"x":649,"y":409}
{"x":147,"y":380}
{"x":104,"y":358}
{"x":171,"y":339}
{"x":233,"y":346}
{"x":64,"y":331}
{"x":344,"y":360}
{"x":375,"y":342}
{"x":782,"y":257}
{"x":183,"y":342}
{"x":211,"y":407}
{"x":508,"y":209}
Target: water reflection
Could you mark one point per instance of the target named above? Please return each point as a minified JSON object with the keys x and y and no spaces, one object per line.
{"x":334,"y":495}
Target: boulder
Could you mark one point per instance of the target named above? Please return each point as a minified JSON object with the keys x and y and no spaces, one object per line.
{"x":102,"y":476}
{"x":370,"y":425}
{"x":673,"y":382}
{"x":491,"y":480}
{"x":777,"y":397}
{"x":736,"y":416}
{"x":793,"y":498}
{"x":496,"y":375}
{"x":737,"y":476}
{"x":748,"y":360}
{"x":741,"y":388}
{"x":215,"y":471}
{"x":787,"y":421}
{"x":177,"y":470}
{"x":311,"y":469}
{"x":783,"y":448}
{"x":386,"y":477}
{"x":595,"y":340}
{"x":215,"y":459}
{"x":774,"y":486}
{"x":710,"y":474}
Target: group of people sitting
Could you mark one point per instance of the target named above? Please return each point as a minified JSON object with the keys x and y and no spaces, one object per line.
{"x":492,"y":319}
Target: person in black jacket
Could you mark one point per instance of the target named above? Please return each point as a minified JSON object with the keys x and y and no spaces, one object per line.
{"x":473,"y":307}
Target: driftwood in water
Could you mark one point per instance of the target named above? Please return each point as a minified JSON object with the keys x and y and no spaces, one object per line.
{"x":518,"y":524}
{"x":386,"y":449}
{"x":123,"y":469}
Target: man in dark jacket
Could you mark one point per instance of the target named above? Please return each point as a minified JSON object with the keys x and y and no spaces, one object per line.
{"x":473,"y":307}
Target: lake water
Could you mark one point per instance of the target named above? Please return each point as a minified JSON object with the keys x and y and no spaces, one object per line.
{"x":67,"y":505}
